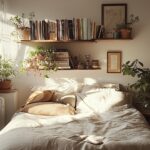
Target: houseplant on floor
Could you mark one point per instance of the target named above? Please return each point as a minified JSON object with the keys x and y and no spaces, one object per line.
{"x":141,"y":87}
{"x":7,"y":72}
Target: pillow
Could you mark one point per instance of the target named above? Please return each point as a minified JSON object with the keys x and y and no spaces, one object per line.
{"x":62,"y":85}
{"x":40,"y":96}
{"x":68,"y":99}
{"x":49,"y":109}
{"x":102,"y":100}
{"x":95,"y":87}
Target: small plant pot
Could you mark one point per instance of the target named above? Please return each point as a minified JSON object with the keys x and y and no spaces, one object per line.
{"x":125,"y":33}
{"x":5,"y":85}
{"x":24,"y":33}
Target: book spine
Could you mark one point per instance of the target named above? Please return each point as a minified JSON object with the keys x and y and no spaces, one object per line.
{"x":70,"y":30}
{"x":85,"y":28}
{"x":31,"y":30}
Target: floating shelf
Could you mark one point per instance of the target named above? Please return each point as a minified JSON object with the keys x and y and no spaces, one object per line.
{"x":71,"y":41}
{"x":53,"y":41}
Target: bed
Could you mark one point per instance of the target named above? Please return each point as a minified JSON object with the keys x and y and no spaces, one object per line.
{"x":104,"y":120}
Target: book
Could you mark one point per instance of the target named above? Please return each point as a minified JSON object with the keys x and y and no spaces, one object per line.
{"x":70,"y":30}
{"x":52,"y":30}
{"x":61,"y":55}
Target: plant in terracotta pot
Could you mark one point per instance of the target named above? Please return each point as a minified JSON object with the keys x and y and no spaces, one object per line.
{"x":141,"y":87}
{"x":7,"y":72}
{"x":40,"y":59}
{"x":126,"y":29}
{"x":21,"y":24}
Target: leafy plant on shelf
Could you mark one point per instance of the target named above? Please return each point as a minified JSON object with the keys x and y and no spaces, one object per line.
{"x":125,"y":29}
{"x":129,"y":25}
{"x":142,"y":86}
{"x":7,"y":72}
{"x":21,"y":24}
{"x":40,"y":59}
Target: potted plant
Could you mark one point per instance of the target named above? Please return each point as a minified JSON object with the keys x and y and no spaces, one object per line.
{"x":141,"y":87}
{"x":6,"y":73}
{"x":40,"y":59}
{"x":21,"y":24}
{"x":126,"y":29}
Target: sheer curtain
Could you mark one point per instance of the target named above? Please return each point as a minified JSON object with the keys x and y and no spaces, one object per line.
{"x":2,"y":18}
{"x":4,"y":34}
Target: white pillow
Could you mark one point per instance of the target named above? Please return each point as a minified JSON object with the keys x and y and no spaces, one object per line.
{"x":101,"y":100}
{"x":95,"y":87}
{"x":62,"y":86}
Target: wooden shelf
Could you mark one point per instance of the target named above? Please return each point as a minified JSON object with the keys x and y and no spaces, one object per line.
{"x":53,"y":41}
{"x":79,"y":69}
{"x":71,"y":41}
{"x":113,"y":39}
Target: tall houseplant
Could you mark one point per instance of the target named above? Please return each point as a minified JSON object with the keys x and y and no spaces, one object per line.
{"x":7,"y":72}
{"x":142,"y":86}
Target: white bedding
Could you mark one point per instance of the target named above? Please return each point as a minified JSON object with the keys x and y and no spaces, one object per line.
{"x":121,"y":128}
{"x":104,"y":122}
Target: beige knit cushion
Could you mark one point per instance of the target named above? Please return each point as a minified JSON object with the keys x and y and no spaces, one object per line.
{"x":49,"y":109}
{"x":40,"y":96}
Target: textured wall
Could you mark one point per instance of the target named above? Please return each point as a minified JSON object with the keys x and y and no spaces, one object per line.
{"x":53,"y":9}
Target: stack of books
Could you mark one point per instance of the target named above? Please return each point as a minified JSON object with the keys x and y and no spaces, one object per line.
{"x":62,"y":59}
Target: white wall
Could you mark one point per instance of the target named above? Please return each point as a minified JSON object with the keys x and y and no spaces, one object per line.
{"x":138,"y":48}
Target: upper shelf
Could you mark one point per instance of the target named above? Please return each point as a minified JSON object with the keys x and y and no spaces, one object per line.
{"x":54,"y":41}
{"x":71,"y":41}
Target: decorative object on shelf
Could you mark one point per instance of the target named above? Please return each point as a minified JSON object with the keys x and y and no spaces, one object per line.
{"x":95,"y":64}
{"x":141,"y":87}
{"x":125,"y":29}
{"x":114,"y":61}
{"x":113,"y":14}
{"x":7,"y":72}
{"x":40,"y":59}
{"x":21,"y":24}
{"x":87,"y":62}
{"x":99,"y":32}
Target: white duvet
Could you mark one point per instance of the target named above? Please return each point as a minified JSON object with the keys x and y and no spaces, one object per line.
{"x":120,"y":128}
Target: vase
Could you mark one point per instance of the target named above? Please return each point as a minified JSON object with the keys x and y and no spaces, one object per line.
{"x":24,"y":33}
{"x":125,"y":33}
{"x":5,"y":85}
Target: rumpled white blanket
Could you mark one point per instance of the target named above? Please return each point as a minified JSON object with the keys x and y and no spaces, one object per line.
{"x":120,"y":128}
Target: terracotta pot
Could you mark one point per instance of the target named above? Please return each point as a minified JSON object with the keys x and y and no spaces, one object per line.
{"x":24,"y":33}
{"x":125,"y":33}
{"x":5,"y":85}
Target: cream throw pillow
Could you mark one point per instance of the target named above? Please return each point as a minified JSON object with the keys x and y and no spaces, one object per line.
{"x":40,"y":96}
{"x":68,"y":99}
{"x":49,"y":109}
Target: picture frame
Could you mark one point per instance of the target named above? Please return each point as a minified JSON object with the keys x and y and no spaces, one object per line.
{"x":113,"y":14}
{"x":114,"y":61}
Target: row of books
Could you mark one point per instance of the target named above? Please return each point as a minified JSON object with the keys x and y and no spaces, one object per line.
{"x":64,"y":29}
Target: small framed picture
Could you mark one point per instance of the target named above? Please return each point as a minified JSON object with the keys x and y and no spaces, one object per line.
{"x":114,"y":61}
{"x":113,"y":14}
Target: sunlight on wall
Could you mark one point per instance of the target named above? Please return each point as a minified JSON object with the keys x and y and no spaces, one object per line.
{"x":9,"y":47}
